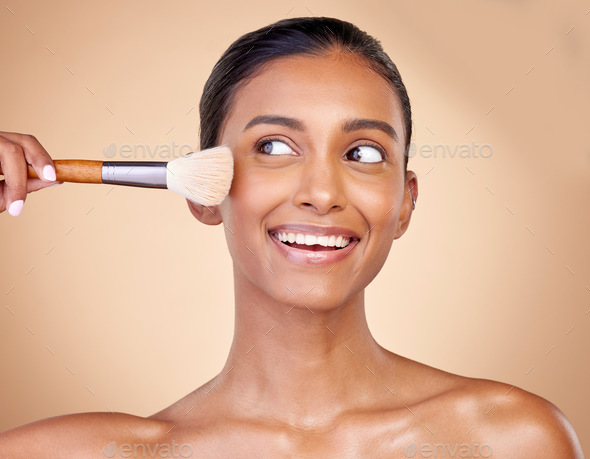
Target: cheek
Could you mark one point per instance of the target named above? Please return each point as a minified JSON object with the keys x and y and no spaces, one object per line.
{"x":252,"y":196}
{"x":379,"y":201}
{"x":382,"y":210}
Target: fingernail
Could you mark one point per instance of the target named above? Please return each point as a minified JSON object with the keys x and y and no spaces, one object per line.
{"x":49,"y":173}
{"x":16,"y":207}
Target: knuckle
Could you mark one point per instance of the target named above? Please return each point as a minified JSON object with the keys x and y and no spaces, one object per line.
{"x":29,"y":138}
{"x":12,"y":148}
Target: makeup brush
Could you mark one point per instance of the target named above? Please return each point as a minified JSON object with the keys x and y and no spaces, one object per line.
{"x":203,"y":177}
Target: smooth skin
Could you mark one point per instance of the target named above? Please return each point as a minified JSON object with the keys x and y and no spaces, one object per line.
{"x":16,"y":151}
{"x":304,"y":376}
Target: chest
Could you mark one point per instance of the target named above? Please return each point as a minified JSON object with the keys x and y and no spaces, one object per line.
{"x":237,"y":440}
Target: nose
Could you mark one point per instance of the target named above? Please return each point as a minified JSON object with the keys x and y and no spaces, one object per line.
{"x":321,"y":185}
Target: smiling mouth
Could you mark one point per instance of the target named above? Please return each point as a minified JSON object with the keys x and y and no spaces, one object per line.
{"x":312,"y":243}
{"x":312,"y":248}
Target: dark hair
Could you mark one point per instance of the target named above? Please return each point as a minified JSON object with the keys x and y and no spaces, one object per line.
{"x":288,"y":37}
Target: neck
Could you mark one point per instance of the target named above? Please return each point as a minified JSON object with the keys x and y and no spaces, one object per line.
{"x":299,"y":366}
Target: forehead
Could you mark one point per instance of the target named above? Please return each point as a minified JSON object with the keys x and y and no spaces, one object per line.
{"x":316,"y":90}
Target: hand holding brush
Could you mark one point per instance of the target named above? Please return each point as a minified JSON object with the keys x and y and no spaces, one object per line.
{"x":203,"y":177}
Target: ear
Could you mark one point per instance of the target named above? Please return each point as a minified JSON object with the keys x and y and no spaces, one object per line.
{"x":410,"y":194}
{"x":209,"y":215}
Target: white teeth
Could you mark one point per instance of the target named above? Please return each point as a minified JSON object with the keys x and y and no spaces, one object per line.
{"x":310,"y":239}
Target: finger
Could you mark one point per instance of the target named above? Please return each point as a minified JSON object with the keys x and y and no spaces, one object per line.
{"x":35,"y":154}
{"x":2,"y":201}
{"x":35,"y":184}
{"x":14,"y":168}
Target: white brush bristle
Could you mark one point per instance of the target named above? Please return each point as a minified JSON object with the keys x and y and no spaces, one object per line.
{"x":203,"y":177}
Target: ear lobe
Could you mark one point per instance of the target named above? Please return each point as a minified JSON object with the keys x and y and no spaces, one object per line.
{"x":410,"y":194}
{"x":209,"y":215}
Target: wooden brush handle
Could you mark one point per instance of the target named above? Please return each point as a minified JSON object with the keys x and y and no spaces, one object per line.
{"x":73,"y":170}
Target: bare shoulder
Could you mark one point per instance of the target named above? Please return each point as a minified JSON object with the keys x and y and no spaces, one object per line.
{"x":537,"y":426}
{"x":514,"y":422}
{"x":83,"y":435}
{"x":510,"y":420}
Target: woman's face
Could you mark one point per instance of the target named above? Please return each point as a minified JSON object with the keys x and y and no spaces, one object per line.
{"x":318,"y":145}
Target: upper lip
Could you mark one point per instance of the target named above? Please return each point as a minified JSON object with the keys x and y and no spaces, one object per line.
{"x":314,"y":229}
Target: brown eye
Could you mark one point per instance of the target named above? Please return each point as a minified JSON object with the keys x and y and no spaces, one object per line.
{"x":365,"y":154}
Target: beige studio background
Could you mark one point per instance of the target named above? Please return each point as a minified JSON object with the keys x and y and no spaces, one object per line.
{"x":123,"y":301}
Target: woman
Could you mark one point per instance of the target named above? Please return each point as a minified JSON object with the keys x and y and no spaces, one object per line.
{"x":319,"y":122}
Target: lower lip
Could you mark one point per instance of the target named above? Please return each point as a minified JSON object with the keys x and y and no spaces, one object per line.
{"x":309,"y":257}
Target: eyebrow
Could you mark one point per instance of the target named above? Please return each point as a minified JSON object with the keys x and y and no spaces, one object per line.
{"x":358,"y":124}
{"x":349,"y":126}
{"x":291,"y":123}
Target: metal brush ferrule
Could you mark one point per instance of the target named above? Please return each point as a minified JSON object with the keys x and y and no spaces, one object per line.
{"x":135,"y":173}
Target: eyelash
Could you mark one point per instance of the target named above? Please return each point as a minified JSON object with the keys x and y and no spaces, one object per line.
{"x":366,"y":144}
{"x":267,"y":140}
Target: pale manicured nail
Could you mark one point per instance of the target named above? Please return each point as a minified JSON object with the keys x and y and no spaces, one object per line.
{"x":16,"y":207}
{"x":49,"y":173}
